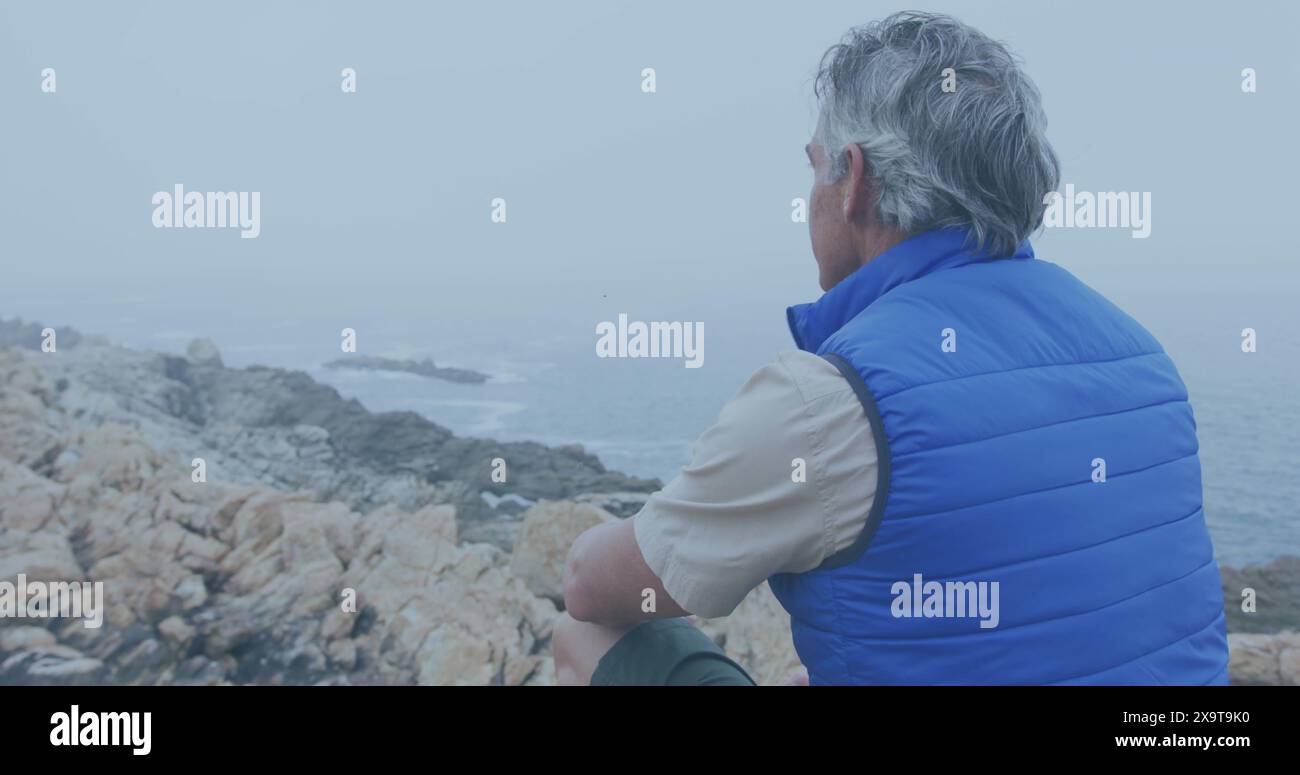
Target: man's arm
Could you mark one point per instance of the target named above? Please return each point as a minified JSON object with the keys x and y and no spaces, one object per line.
{"x":607,"y":581}
{"x":784,"y":479}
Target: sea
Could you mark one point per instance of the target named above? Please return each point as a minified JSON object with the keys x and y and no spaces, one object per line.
{"x":641,"y":416}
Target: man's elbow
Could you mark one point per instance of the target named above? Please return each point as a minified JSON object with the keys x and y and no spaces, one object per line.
{"x":579,"y":602}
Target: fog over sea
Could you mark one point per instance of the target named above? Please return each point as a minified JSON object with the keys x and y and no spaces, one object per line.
{"x":671,"y":206}
{"x":642,"y":415}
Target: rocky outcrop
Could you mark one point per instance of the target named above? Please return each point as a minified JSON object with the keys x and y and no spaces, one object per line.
{"x":16,"y":333}
{"x":424,"y":368}
{"x":284,"y":430}
{"x":1264,"y":660}
{"x":205,"y":583}
{"x":620,"y":504}
{"x":543,"y":542}
{"x":757,"y":636}
{"x":1263,"y":598}
{"x":219,"y":582}
{"x":203,"y":352}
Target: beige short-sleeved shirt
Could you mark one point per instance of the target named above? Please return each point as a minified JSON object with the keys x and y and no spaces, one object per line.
{"x":741,"y":511}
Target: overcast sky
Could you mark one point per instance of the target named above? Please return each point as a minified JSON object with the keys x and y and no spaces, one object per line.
{"x":672,"y":205}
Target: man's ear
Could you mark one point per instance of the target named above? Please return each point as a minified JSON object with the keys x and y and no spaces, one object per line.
{"x":859,"y":191}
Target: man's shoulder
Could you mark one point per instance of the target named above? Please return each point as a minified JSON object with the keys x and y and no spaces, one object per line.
{"x":811,"y":376}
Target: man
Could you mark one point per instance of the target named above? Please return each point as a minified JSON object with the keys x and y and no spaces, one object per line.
{"x":1002,"y":481}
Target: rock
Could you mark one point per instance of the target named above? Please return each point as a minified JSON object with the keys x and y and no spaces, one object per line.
{"x":41,"y":556}
{"x":1288,"y":663}
{"x":424,"y":368}
{"x":1252,"y":660}
{"x":30,"y":498}
{"x":176,"y":630}
{"x":543,"y":542}
{"x":197,"y":671}
{"x":51,"y":665}
{"x":1257,"y":659}
{"x":1277,"y":595}
{"x":16,"y":333}
{"x":203,"y":352}
{"x":757,"y":636}
{"x":456,"y":612}
{"x":279,"y":429}
{"x":620,"y":504}
{"x":110,"y":456}
{"x":24,"y":638}
{"x":28,"y":430}
{"x":252,"y":578}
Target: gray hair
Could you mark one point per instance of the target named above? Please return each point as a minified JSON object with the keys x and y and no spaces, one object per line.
{"x":976,"y":156}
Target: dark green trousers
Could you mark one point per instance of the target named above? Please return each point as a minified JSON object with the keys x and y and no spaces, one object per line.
{"x":667,"y":652}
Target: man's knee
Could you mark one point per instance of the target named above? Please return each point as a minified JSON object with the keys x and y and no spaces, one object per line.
{"x":577,"y":648}
{"x":563,"y":633}
{"x":571,"y":651}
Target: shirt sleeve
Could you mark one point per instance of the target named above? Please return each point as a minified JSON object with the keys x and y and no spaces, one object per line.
{"x":784,"y":479}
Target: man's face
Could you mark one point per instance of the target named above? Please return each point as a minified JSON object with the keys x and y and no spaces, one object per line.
{"x":828,"y":225}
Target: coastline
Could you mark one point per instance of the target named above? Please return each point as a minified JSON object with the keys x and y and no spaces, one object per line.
{"x":237,"y":579}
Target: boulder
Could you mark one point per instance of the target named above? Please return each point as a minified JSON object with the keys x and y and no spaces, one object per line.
{"x":203,"y":352}
{"x":1260,"y":659}
{"x":757,"y":636}
{"x":258,"y":580}
{"x":543,"y":542}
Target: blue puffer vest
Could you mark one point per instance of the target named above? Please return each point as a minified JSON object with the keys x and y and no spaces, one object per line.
{"x":1034,"y":440}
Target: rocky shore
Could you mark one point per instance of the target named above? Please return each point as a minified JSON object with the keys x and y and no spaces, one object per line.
{"x":284,"y":430}
{"x":309,"y":500}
